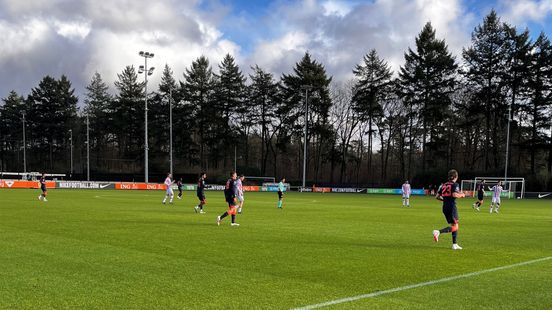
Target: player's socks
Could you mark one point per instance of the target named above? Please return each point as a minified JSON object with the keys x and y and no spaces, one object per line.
{"x":239,"y":210}
{"x":279,"y":204}
{"x":233,"y":218}
{"x":218,"y":220}
{"x":445,"y":230}
{"x":225,"y":214}
{"x":454,"y":236}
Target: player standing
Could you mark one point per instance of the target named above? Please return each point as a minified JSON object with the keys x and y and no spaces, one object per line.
{"x":230,"y":194}
{"x":201,"y":193}
{"x":497,"y":191}
{"x":281,"y":189}
{"x":406,"y":191}
{"x":448,"y":192}
{"x":168,"y":189}
{"x":480,"y":188}
{"x":43,"y":188}
{"x":179,"y":185}
{"x":239,"y":184}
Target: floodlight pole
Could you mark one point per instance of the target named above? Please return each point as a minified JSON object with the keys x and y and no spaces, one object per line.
{"x":306,"y":87}
{"x":170,"y":132}
{"x":147,"y":72}
{"x":88,"y":145}
{"x":24,"y":145}
{"x":71,"y":147}
{"x":507,"y":144}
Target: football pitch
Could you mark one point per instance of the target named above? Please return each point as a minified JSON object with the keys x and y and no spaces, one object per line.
{"x":124,"y":249}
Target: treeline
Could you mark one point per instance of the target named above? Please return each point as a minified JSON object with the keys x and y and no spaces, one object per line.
{"x":378,"y":129}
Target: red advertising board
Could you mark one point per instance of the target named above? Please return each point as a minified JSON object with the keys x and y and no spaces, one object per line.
{"x":24,"y":184}
{"x":251,"y":188}
{"x":139,"y":186}
{"x":321,"y":189}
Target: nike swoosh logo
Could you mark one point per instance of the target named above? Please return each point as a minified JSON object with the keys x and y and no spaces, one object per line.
{"x":104,"y":186}
{"x":542,"y":196}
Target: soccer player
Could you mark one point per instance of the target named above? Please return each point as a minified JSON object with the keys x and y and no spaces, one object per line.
{"x":281,"y":189}
{"x":43,"y":188}
{"x":239,"y":184}
{"x":179,"y":185}
{"x":201,"y":193}
{"x":448,"y":192}
{"x":230,"y":194}
{"x":406,"y":194}
{"x":168,"y":190}
{"x":480,"y":188}
{"x":497,"y":191}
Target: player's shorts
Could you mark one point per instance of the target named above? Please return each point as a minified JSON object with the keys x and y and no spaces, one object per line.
{"x":201,"y":197}
{"x":280,"y":195}
{"x":43,"y":189}
{"x":496,"y":200}
{"x":451,"y":213}
{"x":406,"y":196}
{"x":480,"y":195}
{"x":169,"y":191}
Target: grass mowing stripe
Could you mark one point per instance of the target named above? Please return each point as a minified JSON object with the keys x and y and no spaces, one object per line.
{"x":407,"y":287}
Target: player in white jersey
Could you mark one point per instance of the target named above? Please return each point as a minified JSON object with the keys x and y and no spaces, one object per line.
{"x":239,"y":185}
{"x":406,"y":191}
{"x":168,"y":189}
{"x":497,"y":191}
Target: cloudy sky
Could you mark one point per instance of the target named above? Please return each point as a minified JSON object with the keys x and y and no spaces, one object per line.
{"x":80,"y":37}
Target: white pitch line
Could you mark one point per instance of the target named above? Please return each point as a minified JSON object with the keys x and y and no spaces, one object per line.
{"x":407,"y":287}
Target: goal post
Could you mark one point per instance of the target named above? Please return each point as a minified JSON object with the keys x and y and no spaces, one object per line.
{"x":514,"y":187}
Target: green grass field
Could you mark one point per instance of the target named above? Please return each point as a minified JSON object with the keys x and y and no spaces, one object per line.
{"x":124,"y":249}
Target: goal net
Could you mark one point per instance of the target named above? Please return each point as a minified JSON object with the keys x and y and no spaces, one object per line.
{"x":513,"y":187}
{"x":258,"y":181}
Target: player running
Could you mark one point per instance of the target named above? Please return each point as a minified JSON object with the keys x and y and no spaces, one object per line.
{"x":179,"y":185}
{"x":497,"y":191}
{"x":406,"y":191}
{"x":201,"y":193}
{"x":230,"y":194}
{"x":448,"y":192}
{"x":239,"y":184}
{"x":168,"y":189}
{"x":44,"y":193}
{"x":281,"y":189}
{"x":480,"y":188}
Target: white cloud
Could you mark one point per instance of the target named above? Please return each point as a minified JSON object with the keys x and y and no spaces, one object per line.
{"x":78,"y":38}
{"x":78,"y":30}
{"x":519,"y":11}
{"x":336,"y":7}
{"x":340,"y":33}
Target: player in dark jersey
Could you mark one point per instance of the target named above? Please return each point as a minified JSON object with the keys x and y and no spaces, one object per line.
{"x":480,"y":189}
{"x":201,"y":193}
{"x":230,"y":194}
{"x":43,"y":188}
{"x":448,"y":192}
{"x":179,"y":185}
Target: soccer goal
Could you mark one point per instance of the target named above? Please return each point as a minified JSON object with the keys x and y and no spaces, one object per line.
{"x":256,"y":180}
{"x":514,"y":187}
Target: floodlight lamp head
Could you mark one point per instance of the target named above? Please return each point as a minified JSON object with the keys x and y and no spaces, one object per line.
{"x":141,"y":53}
{"x":151,"y":55}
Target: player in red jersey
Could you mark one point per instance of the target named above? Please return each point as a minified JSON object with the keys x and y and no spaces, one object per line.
{"x":448,"y":192}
